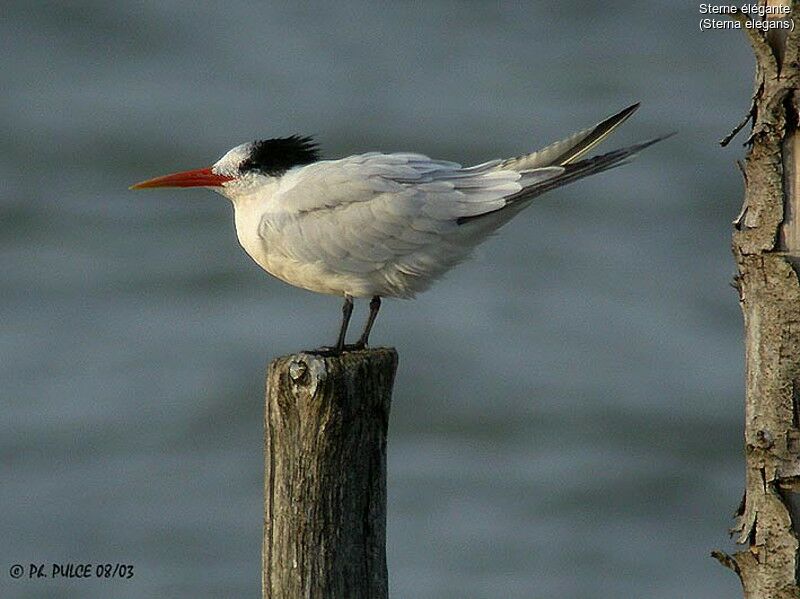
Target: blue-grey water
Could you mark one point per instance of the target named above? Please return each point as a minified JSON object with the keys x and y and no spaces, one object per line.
{"x":567,"y":414}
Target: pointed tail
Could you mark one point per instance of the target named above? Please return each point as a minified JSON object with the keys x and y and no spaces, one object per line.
{"x":583,"y":168}
{"x":571,"y":148}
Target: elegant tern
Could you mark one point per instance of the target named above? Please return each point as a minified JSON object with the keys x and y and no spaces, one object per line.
{"x":381,"y":225}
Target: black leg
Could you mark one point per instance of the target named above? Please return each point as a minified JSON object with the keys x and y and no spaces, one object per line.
{"x":347,"y":311}
{"x":374,"y":306}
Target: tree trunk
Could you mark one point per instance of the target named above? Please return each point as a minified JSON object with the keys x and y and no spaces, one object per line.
{"x":325,"y":475}
{"x":766,"y":245}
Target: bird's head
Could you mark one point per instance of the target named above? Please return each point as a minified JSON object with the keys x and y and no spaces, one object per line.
{"x":244,"y":167}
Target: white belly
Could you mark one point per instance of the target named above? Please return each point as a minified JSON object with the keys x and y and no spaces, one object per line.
{"x":324,"y":257}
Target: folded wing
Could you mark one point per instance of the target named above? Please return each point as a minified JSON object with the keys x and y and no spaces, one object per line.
{"x":392,"y":223}
{"x":387,"y":214}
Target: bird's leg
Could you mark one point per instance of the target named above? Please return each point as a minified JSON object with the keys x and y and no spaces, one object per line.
{"x":374,"y":306}
{"x":347,"y":311}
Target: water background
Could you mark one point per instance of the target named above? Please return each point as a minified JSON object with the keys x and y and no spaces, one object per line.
{"x":567,"y":415}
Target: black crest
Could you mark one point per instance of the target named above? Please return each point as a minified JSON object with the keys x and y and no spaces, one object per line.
{"x":274,"y":157}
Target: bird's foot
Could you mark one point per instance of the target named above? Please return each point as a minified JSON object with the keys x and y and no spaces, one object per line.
{"x":324,"y":351}
{"x":330,"y":351}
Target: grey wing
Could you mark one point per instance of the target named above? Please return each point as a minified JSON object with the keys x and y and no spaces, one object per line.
{"x":387,"y":219}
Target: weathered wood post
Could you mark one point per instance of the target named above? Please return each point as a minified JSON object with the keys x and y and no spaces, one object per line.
{"x":766,"y":244}
{"x":325,"y":475}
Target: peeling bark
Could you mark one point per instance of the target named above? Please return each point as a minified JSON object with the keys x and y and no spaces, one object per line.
{"x":766,"y":245}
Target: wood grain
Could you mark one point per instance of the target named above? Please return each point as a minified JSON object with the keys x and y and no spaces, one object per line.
{"x":325,"y":475}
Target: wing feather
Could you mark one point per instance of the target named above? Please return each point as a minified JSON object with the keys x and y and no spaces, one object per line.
{"x":380,"y":214}
{"x":572,"y":148}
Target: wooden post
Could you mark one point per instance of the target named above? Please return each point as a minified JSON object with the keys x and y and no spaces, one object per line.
{"x":766,"y":244}
{"x":325,"y":475}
